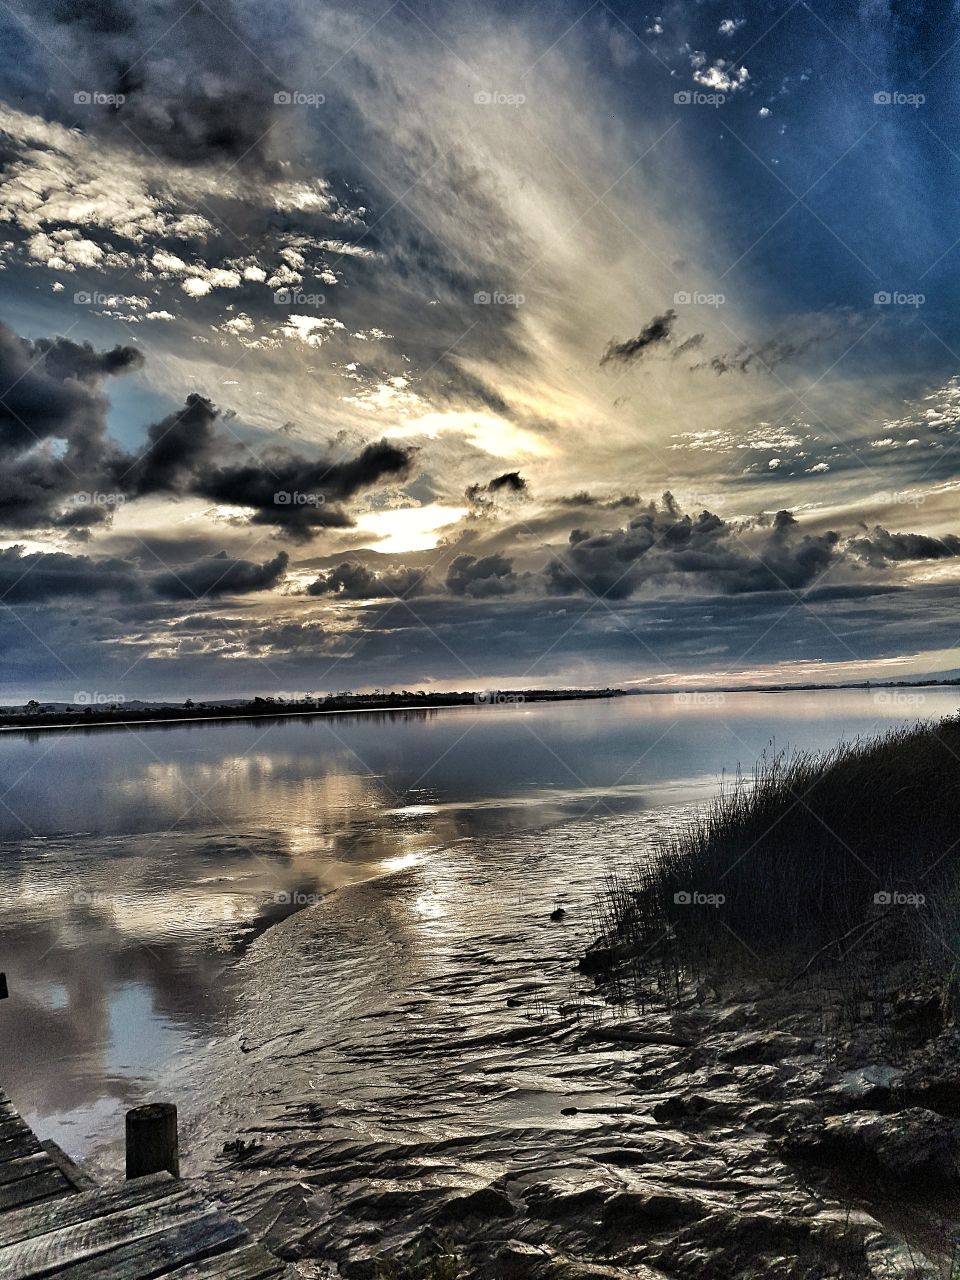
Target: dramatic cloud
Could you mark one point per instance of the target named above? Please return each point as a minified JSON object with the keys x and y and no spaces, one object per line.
{"x":297,"y":495}
{"x":656,"y":333}
{"x":666,"y":548}
{"x":220,"y":576}
{"x":481,"y":578}
{"x":354,"y":581}
{"x":61,"y":470}
{"x":190,"y":85}
{"x":881,"y":546}
{"x":53,"y":424}
{"x":176,"y":447}
{"x":485,"y":496}
{"x":29,"y":578}
{"x":312,"y":273}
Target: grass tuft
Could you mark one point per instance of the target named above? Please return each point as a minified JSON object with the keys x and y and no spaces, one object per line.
{"x":813,"y":850}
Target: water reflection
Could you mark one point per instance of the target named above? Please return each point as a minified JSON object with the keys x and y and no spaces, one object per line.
{"x":138,"y":863}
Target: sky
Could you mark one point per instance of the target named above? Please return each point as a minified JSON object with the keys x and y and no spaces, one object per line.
{"x":416,"y":345}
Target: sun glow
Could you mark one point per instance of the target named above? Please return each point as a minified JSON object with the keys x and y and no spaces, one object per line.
{"x":409,"y":528}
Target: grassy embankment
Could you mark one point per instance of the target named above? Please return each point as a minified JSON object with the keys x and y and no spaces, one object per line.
{"x":851,"y":855}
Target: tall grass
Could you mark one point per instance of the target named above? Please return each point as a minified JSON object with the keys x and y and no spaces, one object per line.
{"x":813,"y":849}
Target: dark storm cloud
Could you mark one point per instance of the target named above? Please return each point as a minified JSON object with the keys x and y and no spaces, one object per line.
{"x":510,"y":484}
{"x":35,"y":577}
{"x":59,"y":468}
{"x":53,"y":388}
{"x":880,"y":546}
{"x":510,"y":480}
{"x":38,"y":577}
{"x":194,"y":88}
{"x":176,"y":446}
{"x":219,"y":576}
{"x":355,"y":581}
{"x":53,"y":423}
{"x":667,"y":548}
{"x":655,"y":333}
{"x":298,"y":495}
{"x":481,"y":577}
{"x":283,"y":489}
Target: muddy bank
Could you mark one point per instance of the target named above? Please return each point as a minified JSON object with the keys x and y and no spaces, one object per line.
{"x":420,"y":1059}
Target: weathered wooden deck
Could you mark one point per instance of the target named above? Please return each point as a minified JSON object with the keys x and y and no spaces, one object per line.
{"x":54,"y":1222}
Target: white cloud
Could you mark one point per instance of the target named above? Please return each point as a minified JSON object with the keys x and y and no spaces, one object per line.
{"x":722,"y":77}
{"x":312,"y":331}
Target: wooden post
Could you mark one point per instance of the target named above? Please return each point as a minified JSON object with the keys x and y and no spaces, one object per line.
{"x":4,"y":993}
{"x":152,"y":1143}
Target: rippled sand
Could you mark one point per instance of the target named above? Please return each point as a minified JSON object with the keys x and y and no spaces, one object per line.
{"x":418,"y":1036}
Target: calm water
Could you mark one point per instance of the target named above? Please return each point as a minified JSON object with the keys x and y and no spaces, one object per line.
{"x":148,"y":876}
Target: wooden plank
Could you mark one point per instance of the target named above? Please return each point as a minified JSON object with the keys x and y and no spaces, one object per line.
{"x":41,"y":1186}
{"x":23,"y":1144}
{"x":12,"y":1127}
{"x":86,"y":1205}
{"x":24,"y":1167}
{"x":55,"y":1251}
{"x":210,"y":1233}
{"x":250,"y":1262}
{"x":76,"y":1176}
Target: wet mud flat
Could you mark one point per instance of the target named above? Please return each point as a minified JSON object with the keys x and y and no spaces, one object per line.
{"x":420,"y":1063}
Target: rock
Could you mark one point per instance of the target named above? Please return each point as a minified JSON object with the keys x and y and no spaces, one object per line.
{"x":735,"y":1017}
{"x":566,"y":1203}
{"x":517,"y":1260}
{"x":870,"y":1086}
{"x":913,"y":1146}
{"x":765,"y":1047}
{"x":889,"y":1258}
{"x":919,"y":1016}
{"x":636,"y":1212}
{"x":557,"y":914}
{"x":487,"y":1202}
{"x":577,"y":1269}
{"x":717,"y":1107}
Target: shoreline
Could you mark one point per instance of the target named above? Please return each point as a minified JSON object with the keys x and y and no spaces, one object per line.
{"x":509,"y":699}
{"x":219,"y":717}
